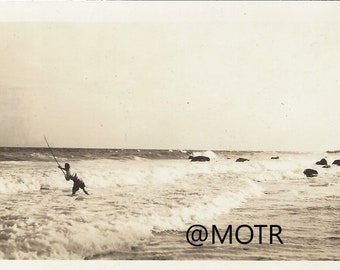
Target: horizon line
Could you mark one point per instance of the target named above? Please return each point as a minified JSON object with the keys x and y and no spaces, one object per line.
{"x":173,"y":149}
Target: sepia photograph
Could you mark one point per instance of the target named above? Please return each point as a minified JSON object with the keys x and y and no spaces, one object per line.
{"x":172,"y":131}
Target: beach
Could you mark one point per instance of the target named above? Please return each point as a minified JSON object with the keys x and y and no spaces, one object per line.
{"x":142,"y":202}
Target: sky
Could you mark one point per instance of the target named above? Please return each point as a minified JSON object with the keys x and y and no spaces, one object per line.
{"x":222,"y":76}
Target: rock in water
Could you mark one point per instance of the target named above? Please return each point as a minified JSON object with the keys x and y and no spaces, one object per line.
{"x":321,"y":162}
{"x":241,"y":160}
{"x":199,"y":158}
{"x":336,"y":162}
{"x":310,"y":172}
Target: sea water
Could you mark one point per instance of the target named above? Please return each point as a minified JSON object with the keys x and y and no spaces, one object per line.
{"x":142,"y":203}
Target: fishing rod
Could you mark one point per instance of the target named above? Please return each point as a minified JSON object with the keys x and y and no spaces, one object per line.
{"x":53,"y":154}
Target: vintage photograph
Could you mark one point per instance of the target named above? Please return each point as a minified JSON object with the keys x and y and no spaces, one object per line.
{"x":170,"y":131}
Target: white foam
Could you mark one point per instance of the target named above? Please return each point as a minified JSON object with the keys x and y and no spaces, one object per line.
{"x":130,"y":200}
{"x":210,"y":154}
{"x":27,"y":176}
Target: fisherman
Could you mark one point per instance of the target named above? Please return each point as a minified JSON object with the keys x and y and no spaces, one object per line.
{"x":77,"y":182}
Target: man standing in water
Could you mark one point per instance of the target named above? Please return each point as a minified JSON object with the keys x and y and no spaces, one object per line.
{"x":77,"y":182}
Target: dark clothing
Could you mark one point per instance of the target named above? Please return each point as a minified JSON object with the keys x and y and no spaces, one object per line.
{"x":77,"y":182}
{"x":76,"y":185}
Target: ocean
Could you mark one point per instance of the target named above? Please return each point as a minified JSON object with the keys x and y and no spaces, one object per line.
{"x":143,"y":202}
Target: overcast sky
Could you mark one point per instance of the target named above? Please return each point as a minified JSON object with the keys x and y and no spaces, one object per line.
{"x":237,"y":77}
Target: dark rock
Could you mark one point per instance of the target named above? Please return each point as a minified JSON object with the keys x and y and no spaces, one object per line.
{"x":321,"y":162}
{"x":274,"y":157}
{"x":336,"y":162}
{"x":199,"y":158}
{"x":241,"y":160}
{"x":310,"y":172}
{"x":326,"y":166}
